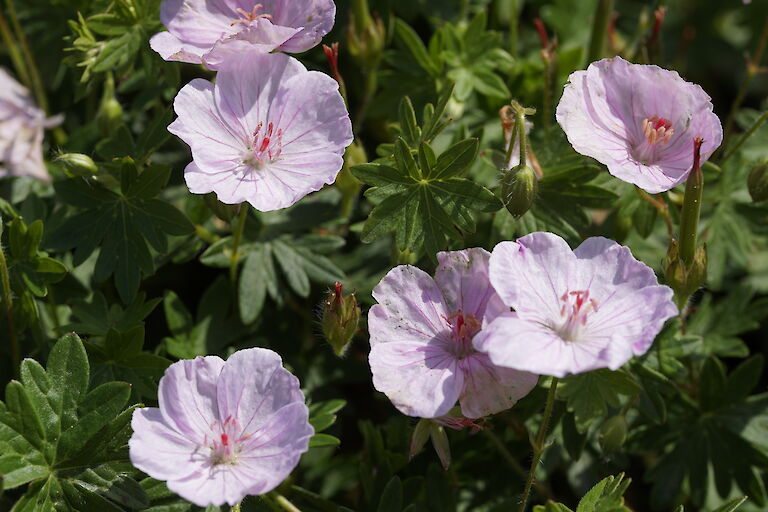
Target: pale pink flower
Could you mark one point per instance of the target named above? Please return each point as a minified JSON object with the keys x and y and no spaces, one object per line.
{"x":224,"y":430}
{"x":638,"y":120}
{"x":422,"y":356}
{"x":211,"y":31}
{"x":22,"y":127}
{"x":269,"y":132}
{"x":574,"y":311}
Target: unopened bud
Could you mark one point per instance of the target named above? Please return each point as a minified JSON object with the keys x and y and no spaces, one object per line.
{"x":77,"y":164}
{"x":366,"y":35}
{"x":519,"y":187}
{"x":109,"y":116}
{"x":225,"y":212}
{"x":345,"y":181}
{"x":758,"y":181}
{"x":613,"y":434}
{"x":340,"y":318}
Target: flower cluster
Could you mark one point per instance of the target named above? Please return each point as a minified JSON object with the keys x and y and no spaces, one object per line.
{"x":434,"y":342}
{"x":269,"y":131}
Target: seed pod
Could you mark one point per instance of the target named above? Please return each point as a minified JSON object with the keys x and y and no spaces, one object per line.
{"x":519,"y":187}
{"x":77,"y":164}
{"x":341,"y":316}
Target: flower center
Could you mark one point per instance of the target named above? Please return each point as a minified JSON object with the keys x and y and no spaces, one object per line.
{"x":226,"y":442}
{"x":247,"y":17}
{"x":575,"y":310}
{"x":463,"y":327}
{"x":264,"y":148}
{"x":657,"y":131}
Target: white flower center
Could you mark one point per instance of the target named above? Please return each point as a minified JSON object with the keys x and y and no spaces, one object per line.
{"x":464,"y":327}
{"x":226,"y":442}
{"x":657,"y":131}
{"x":247,"y":17}
{"x":264,"y":147}
{"x":575,"y":310}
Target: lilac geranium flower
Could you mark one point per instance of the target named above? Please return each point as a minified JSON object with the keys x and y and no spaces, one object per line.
{"x":22,"y":126}
{"x":209,"y":31}
{"x":269,"y":132}
{"x":638,"y":120}
{"x":422,"y":356}
{"x":574,"y":311}
{"x":224,"y":430}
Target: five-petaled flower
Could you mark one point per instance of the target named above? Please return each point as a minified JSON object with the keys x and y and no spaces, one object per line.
{"x":574,"y":310}
{"x":639,"y":120}
{"x":269,"y":132}
{"x":422,"y":329}
{"x":212,"y":32}
{"x":22,"y":126}
{"x":224,"y":430}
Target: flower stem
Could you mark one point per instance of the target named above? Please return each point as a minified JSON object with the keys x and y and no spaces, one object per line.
{"x":753,"y":68}
{"x":600,"y":25}
{"x":14,"y":52}
{"x":539,"y":447}
{"x":8,"y":303}
{"x":34,"y":75}
{"x":234,"y":257}
{"x":520,"y":125}
{"x":661,"y":207}
{"x":513,"y":464}
{"x":689,"y":216}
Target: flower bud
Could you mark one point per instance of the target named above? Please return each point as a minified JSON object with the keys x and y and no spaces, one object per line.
{"x":345,"y":181}
{"x":77,"y":164}
{"x":366,"y":35}
{"x":758,"y":181}
{"x":519,"y":187}
{"x":613,"y":434}
{"x":340,"y":318}
{"x":225,"y":212}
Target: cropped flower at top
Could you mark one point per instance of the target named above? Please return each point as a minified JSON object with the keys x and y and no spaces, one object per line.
{"x":422,"y":329}
{"x":211,"y":31}
{"x":22,"y":127}
{"x":224,"y":430}
{"x":574,"y":311}
{"x":638,"y":120}
{"x":269,"y":132}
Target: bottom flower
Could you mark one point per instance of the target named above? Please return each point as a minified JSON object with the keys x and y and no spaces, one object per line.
{"x":224,"y":430}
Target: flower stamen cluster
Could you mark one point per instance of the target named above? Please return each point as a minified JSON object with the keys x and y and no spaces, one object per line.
{"x":248,"y":17}
{"x":576,"y":308}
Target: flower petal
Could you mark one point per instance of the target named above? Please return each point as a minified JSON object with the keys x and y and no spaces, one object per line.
{"x":421,"y":380}
{"x":410,"y":307}
{"x":158,"y":450}
{"x":171,"y":47}
{"x":216,"y":143}
{"x":253,"y":385}
{"x":259,"y":37}
{"x":187,"y":396}
{"x":513,"y":342}
{"x":211,"y":485}
{"x":531,"y":275}
{"x":489,"y":389}
{"x":463,"y":279}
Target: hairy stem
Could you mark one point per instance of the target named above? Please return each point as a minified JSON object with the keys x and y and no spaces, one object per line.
{"x":689,"y":216}
{"x":513,"y":464}
{"x":8,"y":304}
{"x":234,"y":257}
{"x":539,"y":447}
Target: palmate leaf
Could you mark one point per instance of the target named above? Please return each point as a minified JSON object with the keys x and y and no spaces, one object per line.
{"x":606,"y":496}
{"x":66,"y":442}
{"x":590,"y":394}
{"x":122,"y":225}
{"x":424,"y":202}
{"x":721,"y":433}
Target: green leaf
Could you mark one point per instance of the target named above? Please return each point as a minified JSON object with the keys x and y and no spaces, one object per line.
{"x":456,"y":159}
{"x":392,"y":497}
{"x":323,"y":440}
{"x":411,"y":40}
{"x":606,"y":496}
{"x":590,"y":394}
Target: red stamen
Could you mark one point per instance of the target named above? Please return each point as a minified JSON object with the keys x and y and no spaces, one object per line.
{"x":224,"y":439}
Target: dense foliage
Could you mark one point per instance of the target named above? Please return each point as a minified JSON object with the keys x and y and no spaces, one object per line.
{"x":111,"y":270}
